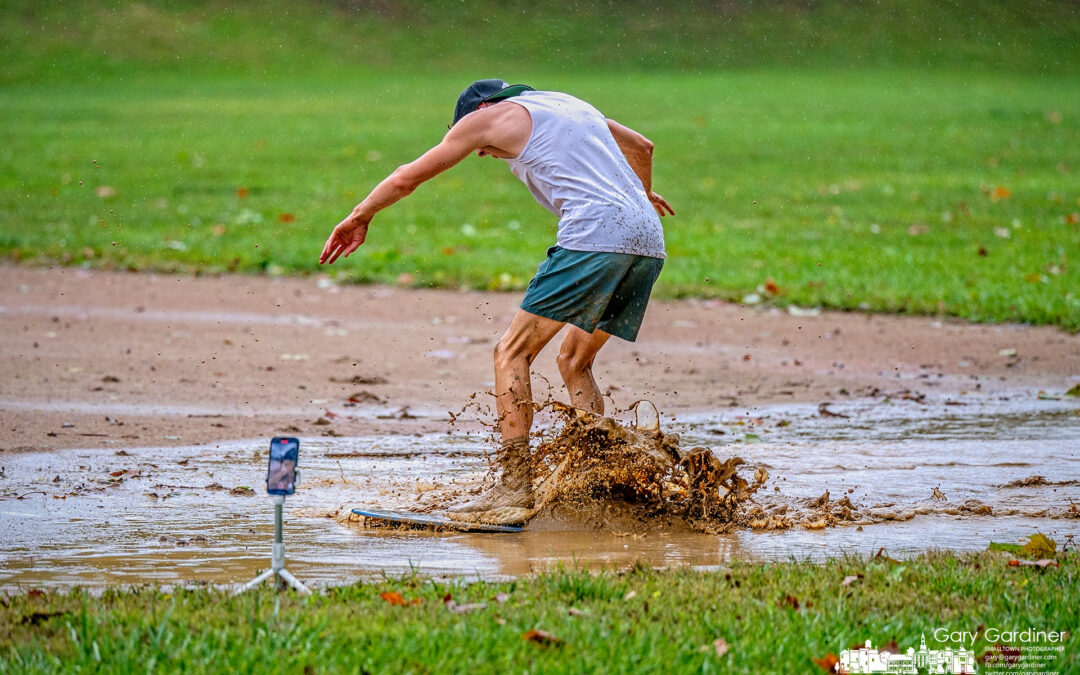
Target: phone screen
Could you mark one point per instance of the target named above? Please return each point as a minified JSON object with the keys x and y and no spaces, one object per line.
{"x":281,"y":476}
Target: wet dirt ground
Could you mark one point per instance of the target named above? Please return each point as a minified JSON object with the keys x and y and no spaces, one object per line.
{"x":175,"y":384}
{"x":98,"y":517}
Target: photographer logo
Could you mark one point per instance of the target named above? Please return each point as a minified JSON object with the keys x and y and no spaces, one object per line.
{"x":867,"y":659}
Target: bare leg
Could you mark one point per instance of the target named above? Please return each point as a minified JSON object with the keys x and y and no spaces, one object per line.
{"x":510,"y":499}
{"x":527,"y":335}
{"x":575,"y":361}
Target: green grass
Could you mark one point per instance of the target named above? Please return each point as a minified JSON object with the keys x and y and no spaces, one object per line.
{"x":668,"y":625}
{"x":103,"y":39}
{"x":872,"y":178}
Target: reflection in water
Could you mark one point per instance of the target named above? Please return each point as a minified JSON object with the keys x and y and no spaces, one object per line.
{"x":167,"y":515}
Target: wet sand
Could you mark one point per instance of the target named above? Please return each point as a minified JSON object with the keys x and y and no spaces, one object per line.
{"x":136,"y":410}
{"x":115,"y":360}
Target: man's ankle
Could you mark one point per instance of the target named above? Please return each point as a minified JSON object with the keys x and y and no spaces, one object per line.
{"x":516,"y":444}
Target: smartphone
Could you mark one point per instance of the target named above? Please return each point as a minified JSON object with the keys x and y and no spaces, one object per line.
{"x":281,"y":475}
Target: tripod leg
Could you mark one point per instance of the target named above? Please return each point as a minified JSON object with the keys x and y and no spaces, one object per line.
{"x":254,"y":582}
{"x":293,"y":581}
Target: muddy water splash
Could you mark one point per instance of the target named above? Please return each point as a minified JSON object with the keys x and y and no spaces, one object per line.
{"x":601,"y":474}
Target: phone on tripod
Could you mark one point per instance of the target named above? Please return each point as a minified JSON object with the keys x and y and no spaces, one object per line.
{"x":281,"y":474}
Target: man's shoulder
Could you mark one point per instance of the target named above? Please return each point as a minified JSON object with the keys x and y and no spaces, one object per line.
{"x":493,"y":116}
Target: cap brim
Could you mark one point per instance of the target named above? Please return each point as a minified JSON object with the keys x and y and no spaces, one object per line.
{"x":512,"y":90}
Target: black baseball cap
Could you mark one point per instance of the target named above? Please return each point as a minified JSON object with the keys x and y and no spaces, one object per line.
{"x":485,"y":90}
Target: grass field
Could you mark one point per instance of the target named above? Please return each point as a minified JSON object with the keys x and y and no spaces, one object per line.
{"x":779,"y":617}
{"x":889,"y":190}
{"x":885,"y":176}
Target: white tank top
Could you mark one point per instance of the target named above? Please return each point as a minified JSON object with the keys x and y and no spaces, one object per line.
{"x":574,"y":168}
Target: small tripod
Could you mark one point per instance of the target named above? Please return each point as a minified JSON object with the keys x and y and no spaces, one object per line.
{"x":277,"y":559}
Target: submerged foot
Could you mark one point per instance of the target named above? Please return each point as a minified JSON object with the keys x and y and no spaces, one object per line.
{"x":499,"y":496}
{"x":504,"y":515}
{"x":514,"y":488}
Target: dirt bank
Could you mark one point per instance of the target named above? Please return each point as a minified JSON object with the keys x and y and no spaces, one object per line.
{"x":96,"y":359}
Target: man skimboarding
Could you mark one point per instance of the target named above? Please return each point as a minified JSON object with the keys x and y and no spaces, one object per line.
{"x":595,"y":175}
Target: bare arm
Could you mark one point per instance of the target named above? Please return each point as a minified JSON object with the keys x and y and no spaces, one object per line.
{"x":639,"y":155}
{"x":468,"y":135}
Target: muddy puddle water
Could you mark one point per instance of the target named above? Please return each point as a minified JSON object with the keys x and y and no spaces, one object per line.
{"x":920,"y":477}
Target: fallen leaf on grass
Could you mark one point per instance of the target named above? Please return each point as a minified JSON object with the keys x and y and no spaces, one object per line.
{"x":721,"y":646}
{"x":36,"y":618}
{"x":850,"y":579}
{"x":630,"y":595}
{"x":790,"y":601}
{"x":881,"y":555}
{"x":542,"y":637}
{"x":462,"y":609}
{"x":1042,"y":564}
{"x":829,"y":662}
{"x":1039,"y":546}
{"x":394,"y":598}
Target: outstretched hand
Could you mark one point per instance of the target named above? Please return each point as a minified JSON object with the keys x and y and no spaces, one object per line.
{"x":661,"y":205}
{"x":346,"y":238}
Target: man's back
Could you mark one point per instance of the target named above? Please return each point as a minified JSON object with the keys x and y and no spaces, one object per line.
{"x":575,"y":169}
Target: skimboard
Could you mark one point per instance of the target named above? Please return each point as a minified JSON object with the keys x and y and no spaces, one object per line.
{"x":426,"y":521}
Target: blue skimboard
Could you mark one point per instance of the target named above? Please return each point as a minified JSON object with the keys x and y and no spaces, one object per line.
{"x":425,"y":521}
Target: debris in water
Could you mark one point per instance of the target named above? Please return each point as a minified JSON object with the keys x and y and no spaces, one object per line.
{"x":823,"y":410}
{"x":1036,"y":481}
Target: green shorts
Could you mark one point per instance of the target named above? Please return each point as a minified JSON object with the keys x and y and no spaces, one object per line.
{"x":592,"y":289}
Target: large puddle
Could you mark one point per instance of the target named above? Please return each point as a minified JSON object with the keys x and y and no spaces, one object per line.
{"x":921,"y":477}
